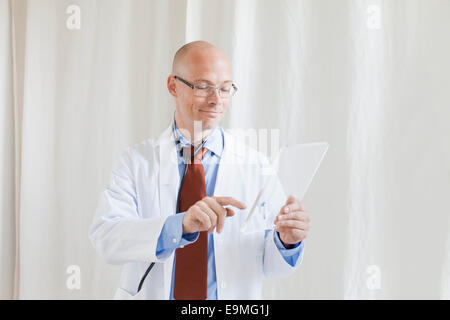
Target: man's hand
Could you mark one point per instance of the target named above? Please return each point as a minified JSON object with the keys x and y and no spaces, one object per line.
{"x":292,"y":222}
{"x":209,"y":213}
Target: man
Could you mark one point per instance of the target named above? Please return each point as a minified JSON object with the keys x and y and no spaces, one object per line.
{"x":178,"y":204}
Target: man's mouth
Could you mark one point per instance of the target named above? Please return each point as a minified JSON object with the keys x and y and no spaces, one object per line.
{"x":211,"y":113}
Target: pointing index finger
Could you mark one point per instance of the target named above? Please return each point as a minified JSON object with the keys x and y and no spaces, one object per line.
{"x":224,"y":201}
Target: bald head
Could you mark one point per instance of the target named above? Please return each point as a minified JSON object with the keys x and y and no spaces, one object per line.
{"x":201,"y":64}
{"x":195,"y":53}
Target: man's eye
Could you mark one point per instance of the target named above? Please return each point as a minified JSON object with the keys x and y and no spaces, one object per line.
{"x":202,"y":86}
{"x":225,"y":89}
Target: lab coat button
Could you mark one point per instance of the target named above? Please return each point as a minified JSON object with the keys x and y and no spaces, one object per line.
{"x":223,"y":285}
{"x":174,"y":240}
{"x":181,"y":246}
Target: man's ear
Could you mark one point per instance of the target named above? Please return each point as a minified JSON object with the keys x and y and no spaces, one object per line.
{"x":171,"y":86}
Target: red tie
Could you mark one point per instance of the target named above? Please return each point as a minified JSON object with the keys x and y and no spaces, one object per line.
{"x":192,"y":261}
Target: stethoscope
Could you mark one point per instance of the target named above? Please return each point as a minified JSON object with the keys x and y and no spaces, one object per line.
{"x":186,"y":158}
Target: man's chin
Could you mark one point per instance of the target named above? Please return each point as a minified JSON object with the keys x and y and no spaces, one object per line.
{"x":210,"y":122}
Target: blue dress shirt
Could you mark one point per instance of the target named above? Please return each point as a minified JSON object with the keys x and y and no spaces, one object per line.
{"x":171,"y":236}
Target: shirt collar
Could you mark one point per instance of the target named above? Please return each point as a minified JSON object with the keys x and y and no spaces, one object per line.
{"x":214,"y":142}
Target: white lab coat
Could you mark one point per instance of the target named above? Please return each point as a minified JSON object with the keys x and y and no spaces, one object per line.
{"x":143,"y":192}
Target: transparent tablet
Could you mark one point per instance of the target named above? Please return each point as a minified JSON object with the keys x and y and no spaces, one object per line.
{"x":295,"y":167}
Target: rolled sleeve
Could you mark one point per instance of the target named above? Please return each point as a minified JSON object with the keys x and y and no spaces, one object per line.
{"x":290,"y":255}
{"x":172,"y":237}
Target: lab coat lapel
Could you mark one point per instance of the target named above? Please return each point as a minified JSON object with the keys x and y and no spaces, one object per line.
{"x":168,"y":160}
{"x":169,"y":180}
{"x":232,"y":159}
{"x":227,"y":176}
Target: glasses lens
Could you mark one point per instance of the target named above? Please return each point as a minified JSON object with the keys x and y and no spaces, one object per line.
{"x":202,"y":91}
{"x":205,"y":91}
{"x":227,"y":92}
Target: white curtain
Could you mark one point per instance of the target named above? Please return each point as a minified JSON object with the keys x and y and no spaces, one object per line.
{"x":81,"y":80}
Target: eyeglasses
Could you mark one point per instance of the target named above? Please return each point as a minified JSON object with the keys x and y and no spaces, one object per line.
{"x":203,"y":89}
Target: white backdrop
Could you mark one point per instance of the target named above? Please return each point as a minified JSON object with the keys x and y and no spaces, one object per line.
{"x":370,"y":77}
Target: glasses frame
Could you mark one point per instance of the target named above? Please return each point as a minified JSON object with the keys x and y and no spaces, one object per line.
{"x":192,"y":86}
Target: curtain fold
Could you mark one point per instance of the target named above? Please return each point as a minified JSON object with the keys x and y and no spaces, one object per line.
{"x":7,"y":156}
{"x":369,"y":77}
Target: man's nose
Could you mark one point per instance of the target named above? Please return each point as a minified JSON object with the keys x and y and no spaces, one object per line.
{"x":215,"y":98}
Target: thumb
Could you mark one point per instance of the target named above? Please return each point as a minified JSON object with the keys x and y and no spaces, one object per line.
{"x":230,"y":212}
{"x":290,"y":200}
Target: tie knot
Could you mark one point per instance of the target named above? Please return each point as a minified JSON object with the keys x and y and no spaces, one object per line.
{"x":197,"y":158}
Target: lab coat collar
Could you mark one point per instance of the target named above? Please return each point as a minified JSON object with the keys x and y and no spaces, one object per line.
{"x":166,"y":140}
{"x":214,"y":142}
{"x":233,"y":153}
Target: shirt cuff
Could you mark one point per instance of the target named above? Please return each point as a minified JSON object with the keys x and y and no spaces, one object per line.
{"x":172,"y":237}
{"x":290,"y":255}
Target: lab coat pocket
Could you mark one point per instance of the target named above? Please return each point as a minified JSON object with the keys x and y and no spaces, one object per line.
{"x":257,"y":222}
{"x":122,"y":294}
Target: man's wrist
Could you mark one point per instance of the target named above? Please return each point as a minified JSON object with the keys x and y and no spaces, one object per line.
{"x":286,"y":245}
{"x":186,"y":236}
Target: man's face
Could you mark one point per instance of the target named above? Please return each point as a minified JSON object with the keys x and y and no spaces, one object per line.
{"x":202,"y":67}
